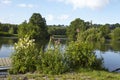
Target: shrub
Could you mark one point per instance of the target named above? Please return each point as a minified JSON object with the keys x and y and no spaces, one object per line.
{"x":27,"y":58}
{"x":91,"y":35}
{"x":115,"y":34}
{"x":80,"y":54}
{"x":24,"y":56}
{"x":52,"y":61}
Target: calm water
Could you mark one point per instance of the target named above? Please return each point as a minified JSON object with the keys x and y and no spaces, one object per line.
{"x":6,"y":46}
{"x":109,"y":51}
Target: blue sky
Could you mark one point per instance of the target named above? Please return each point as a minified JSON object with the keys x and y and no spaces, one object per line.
{"x":60,"y":11}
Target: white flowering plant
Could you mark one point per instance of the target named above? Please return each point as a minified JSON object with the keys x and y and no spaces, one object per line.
{"x":24,"y":56}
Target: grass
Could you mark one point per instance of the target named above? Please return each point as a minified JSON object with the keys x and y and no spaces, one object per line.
{"x":60,"y":36}
{"x":6,"y":34}
{"x":79,"y":75}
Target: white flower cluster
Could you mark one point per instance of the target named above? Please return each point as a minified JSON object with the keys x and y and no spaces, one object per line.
{"x":24,"y":43}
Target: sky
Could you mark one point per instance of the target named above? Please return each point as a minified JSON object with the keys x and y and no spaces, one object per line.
{"x":60,"y":11}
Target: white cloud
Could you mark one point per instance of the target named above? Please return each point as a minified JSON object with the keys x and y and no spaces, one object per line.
{"x":50,"y":17}
{"x":4,"y":20}
{"x":5,"y":1}
{"x":7,"y":19}
{"x":30,"y":5}
{"x":63,"y":17}
{"x":93,"y":4}
{"x":26,"y":5}
{"x":1,"y":20}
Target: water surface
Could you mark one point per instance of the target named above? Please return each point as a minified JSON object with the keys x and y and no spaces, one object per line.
{"x":6,"y":46}
{"x":109,"y":51}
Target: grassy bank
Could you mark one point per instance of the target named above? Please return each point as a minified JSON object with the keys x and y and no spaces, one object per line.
{"x":83,"y":75}
{"x":60,"y":36}
{"x":6,"y":34}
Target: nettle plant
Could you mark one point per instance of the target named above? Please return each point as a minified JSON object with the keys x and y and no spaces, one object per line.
{"x":24,"y":56}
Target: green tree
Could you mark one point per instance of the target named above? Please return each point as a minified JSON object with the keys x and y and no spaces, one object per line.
{"x":57,"y":30}
{"x":22,"y":29}
{"x":77,"y":25}
{"x":88,"y":35}
{"x":40,"y":28}
{"x":91,"y":34}
{"x":115,"y":35}
{"x":11,"y":30}
{"x":105,"y":30}
{"x":36,"y":28}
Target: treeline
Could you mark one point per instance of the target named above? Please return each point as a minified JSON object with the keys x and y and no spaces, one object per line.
{"x":57,"y":29}
{"x":92,"y":32}
{"x":8,"y":29}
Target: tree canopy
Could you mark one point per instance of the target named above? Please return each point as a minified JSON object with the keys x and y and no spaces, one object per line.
{"x":57,"y":29}
{"x":36,"y":28}
{"x":115,"y":35}
{"x":78,"y":25}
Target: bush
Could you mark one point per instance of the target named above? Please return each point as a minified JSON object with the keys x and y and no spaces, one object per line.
{"x":52,"y":61}
{"x":91,"y":35}
{"x":80,"y":54}
{"x":27,"y":58}
{"x":24,"y":56}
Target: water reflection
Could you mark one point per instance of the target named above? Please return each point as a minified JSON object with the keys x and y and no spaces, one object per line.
{"x":6,"y":46}
{"x":7,"y":41}
{"x":113,"y":46}
{"x":110,"y":59}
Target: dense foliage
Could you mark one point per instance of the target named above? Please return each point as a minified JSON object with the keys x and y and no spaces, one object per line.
{"x":81,"y":55}
{"x":116,"y":34}
{"x":94,"y":34}
{"x":78,"y":54}
{"x":36,"y":28}
{"x":88,"y":33}
{"x":57,"y":29}
{"x":78,"y":25}
{"x":8,"y":29}
{"x":24,"y":57}
{"x":3,"y":34}
{"x":27,"y":57}
{"x":52,"y":61}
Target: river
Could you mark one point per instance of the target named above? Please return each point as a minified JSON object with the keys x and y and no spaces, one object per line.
{"x":109,"y":51}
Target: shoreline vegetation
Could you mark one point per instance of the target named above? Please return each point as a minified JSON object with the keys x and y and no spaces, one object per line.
{"x":5,"y":34}
{"x":82,"y":74}
{"x":77,"y":62}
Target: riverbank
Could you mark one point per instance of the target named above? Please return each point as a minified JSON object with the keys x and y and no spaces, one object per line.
{"x":6,"y":34}
{"x":81,"y":75}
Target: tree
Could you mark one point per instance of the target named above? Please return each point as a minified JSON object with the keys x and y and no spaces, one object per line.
{"x":57,"y":29}
{"x":105,"y":30}
{"x":11,"y":30}
{"x":22,"y":29}
{"x":36,"y":28}
{"x":78,"y":25}
{"x":88,"y":35}
{"x":115,"y":35}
